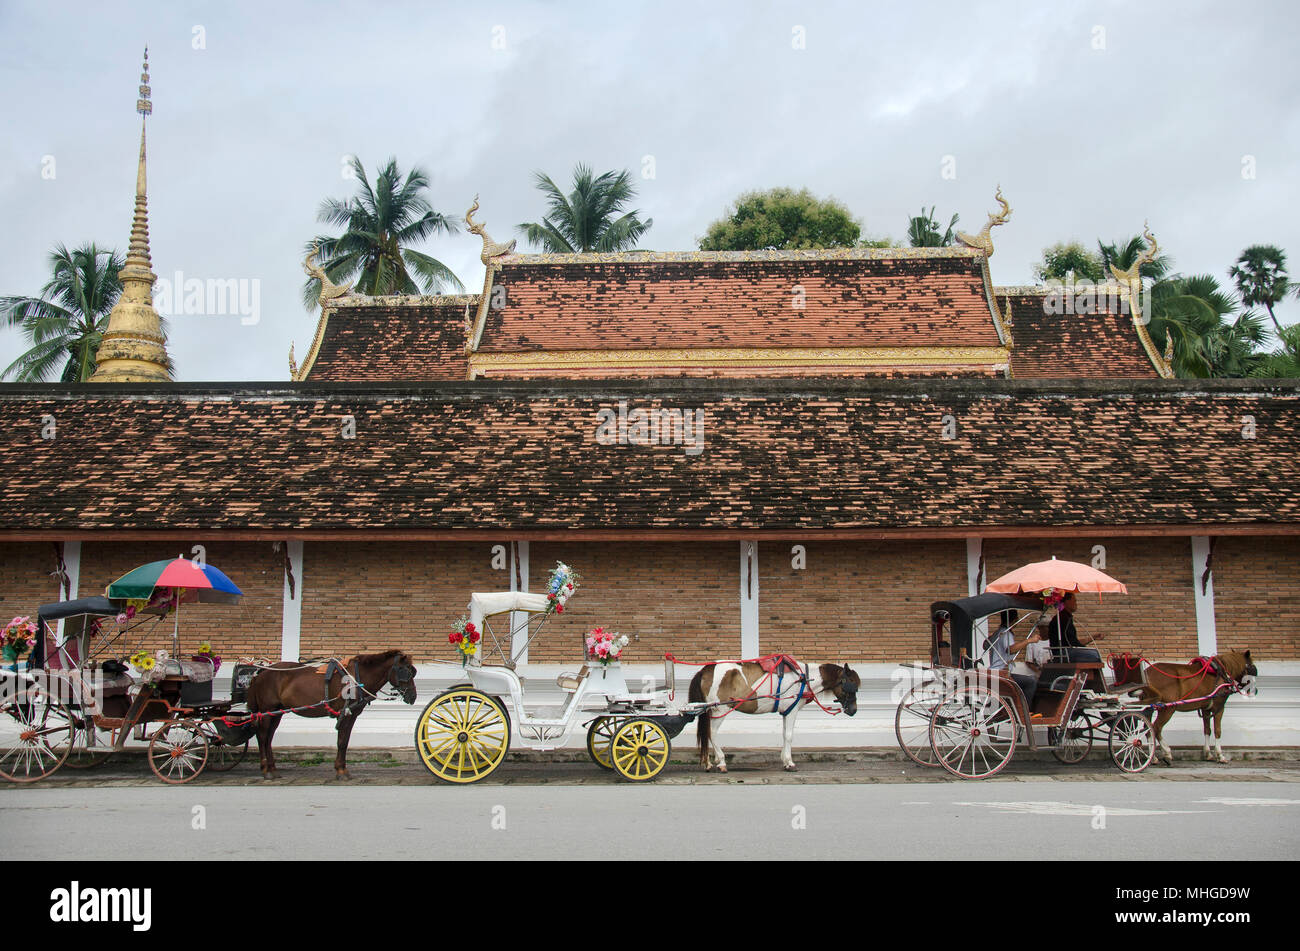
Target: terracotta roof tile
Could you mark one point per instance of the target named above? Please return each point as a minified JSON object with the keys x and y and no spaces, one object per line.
{"x":1101,"y":345}
{"x":792,"y":454}
{"x":734,"y":301}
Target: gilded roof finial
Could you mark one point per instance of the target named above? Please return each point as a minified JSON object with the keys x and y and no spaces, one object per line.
{"x":293,"y":364}
{"x":328,"y":289}
{"x":491,"y":249}
{"x":983,"y":241}
{"x":133,"y":349}
{"x":1130,"y":288}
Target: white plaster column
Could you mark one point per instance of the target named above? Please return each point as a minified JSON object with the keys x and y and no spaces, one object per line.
{"x":71,"y":564}
{"x":1207,"y":637}
{"x":749,"y":599}
{"x":519,"y":582}
{"x":291,"y":623}
{"x":974,"y":551}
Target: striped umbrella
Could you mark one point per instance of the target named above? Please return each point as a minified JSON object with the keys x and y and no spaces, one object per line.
{"x":179,"y":579}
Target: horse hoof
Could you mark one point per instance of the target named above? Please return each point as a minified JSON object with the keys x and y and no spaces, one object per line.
{"x":1224,"y":758}
{"x":791,"y":768}
{"x":722,"y":769}
{"x":342,"y":775}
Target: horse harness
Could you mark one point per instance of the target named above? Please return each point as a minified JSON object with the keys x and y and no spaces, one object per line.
{"x":351,"y":679}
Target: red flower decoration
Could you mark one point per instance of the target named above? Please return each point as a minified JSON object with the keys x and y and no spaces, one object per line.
{"x":559,"y":609}
{"x":454,"y":637}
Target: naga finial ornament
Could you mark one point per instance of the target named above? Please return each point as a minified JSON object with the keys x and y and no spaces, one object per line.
{"x":983,"y":241}
{"x":1133,"y":275}
{"x":293,"y":364}
{"x":491,"y":249}
{"x":328,"y":289}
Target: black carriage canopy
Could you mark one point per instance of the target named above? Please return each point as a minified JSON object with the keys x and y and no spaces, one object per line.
{"x":76,"y":615}
{"x":963,"y":614}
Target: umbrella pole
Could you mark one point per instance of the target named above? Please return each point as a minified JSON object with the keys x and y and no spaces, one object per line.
{"x":176,"y":626}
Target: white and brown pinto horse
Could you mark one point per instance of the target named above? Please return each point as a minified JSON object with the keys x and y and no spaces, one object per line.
{"x":777,"y":684}
{"x":1204,"y":686}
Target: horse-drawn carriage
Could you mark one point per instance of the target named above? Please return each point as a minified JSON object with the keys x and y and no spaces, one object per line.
{"x":77,"y":702}
{"x":464,"y":733}
{"x":969,"y":717}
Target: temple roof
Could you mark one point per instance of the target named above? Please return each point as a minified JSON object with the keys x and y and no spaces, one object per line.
{"x":890,"y":297}
{"x":527,"y":457}
{"x":365,"y":339}
{"x":1052,"y":344}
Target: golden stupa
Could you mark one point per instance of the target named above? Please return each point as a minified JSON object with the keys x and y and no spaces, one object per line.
{"x":133,"y":349}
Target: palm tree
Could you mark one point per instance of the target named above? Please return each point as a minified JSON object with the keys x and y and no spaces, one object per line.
{"x":1208,"y":340}
{"x":380,"y":225}
{"x":923,"y":230}
{"x":591,"y":217}
{"x":1122,"y":254}
{"x":1261,"y":278}
{"x":1285,"y":361}
{"x":66,"y":323}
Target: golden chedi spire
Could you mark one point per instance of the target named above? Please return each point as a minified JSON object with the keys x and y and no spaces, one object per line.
{"x":133,"y":349}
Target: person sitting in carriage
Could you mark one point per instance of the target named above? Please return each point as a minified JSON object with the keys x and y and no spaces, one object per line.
{"x":1002,"y":650}
{"x":1067,"y":642}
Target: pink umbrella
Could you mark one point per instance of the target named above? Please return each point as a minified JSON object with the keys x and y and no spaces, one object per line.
{"x":1062,"y":575}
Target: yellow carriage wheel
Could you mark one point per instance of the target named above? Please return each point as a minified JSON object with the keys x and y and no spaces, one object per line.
{"x":600,"y":737}
{"x":462,"y":735}
{"x":640,"y":750}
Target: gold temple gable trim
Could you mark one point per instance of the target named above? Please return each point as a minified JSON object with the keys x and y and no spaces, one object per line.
{"x":997,"y":357}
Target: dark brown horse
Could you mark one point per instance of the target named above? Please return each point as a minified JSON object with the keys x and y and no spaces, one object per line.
{"x":1203,"y":687}
{"x":338,"y":688}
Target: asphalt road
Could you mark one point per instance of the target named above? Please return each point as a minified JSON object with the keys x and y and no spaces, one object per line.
{"x":1020,"y":820}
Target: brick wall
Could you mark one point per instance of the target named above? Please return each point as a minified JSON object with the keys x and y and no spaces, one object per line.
{"x":679,"y":597}
{"x":250,"y":628}
{"x":1157,"y":618}
{"x":25,"y":582}
{"x":1257,"y":596}
{"x":864,"y":601}
{"x":361,"y":597}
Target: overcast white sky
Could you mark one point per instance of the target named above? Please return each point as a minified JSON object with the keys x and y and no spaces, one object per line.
{"x":1092,"y":116}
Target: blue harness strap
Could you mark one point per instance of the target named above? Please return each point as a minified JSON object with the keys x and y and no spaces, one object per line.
{"x":803,"y":685}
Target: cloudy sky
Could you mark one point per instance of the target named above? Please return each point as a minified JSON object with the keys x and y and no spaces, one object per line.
{"x":1092,"y":116}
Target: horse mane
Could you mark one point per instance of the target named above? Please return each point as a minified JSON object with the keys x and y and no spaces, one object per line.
{"x":380,"y":658}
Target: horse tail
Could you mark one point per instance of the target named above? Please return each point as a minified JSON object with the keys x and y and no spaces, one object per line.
{"x":703,"y":724}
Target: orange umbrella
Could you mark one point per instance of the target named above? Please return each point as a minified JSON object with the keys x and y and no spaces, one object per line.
{"x":1062,"y":575}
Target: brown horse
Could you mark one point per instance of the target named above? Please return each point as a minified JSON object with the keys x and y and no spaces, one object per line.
{"x":776,"y":684}
{"x":341,"y":689}
{"x":1208,"y":686}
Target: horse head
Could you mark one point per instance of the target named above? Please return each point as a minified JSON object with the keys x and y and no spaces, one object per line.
{"x":401,"y":676}
{"x":843,"y":683}
{"x":1243,"y":670}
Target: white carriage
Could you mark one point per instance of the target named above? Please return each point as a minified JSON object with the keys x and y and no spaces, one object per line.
{"x":464,"y":733}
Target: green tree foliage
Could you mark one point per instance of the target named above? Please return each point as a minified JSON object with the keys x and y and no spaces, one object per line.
{"x":1063,"y":259}
{"x":380,"y":225}
{"x":591,"y":217}
{"x":66,"y":323}
{"x":780,"y":219}
{"x":923,"y":231}
{"x":1285,"y":361}
{"x":1261,"y":278}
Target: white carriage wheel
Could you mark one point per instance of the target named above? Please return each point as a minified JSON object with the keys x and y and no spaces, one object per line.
{"x":1073,"y":742}
{"x":1132,"y":741}
{"x":178,"y":751}
{"x":912,"y":721}
{"x":973,"y":733}
{"x":36,"y":733}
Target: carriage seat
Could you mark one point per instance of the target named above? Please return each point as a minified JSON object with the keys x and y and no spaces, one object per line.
{"x":570,"y":682}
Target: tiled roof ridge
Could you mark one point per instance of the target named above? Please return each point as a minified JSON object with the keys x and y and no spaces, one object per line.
{"x":412,"y":300}
{"x":794,"y":254}
{"x":802,"y":387}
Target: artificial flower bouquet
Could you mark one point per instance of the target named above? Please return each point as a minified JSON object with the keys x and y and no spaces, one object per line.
{"x":465,"y":638}
{"x":562,"y":584}
{"x":605,"y":646}
{"x":19,"y":638}
{"x":205,"y":653}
